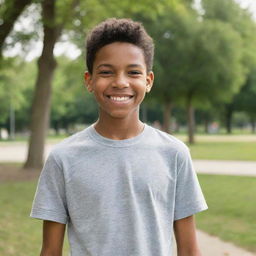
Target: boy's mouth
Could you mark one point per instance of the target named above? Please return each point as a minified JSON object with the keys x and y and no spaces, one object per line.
{"x":120,"y":98}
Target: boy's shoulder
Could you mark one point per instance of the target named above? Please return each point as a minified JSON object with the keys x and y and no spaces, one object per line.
{"x":155,"y":139}
{"x":167,"y":141}
{"x":71,"y":144}
{"x":166,"y":138}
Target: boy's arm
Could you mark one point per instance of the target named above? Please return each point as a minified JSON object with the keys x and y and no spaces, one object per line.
{"x":185,"y":234}
{"x":53,"y":236}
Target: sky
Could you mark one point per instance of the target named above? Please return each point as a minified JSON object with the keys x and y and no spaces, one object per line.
{"x":250,"y":4}
{"x":71,"y":50}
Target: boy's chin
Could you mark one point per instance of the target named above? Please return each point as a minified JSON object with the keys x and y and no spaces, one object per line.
{"x":120,"y":115}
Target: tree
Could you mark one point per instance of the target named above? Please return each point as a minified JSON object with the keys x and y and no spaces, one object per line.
{"x":169,"y":38}
{"x":53,"y":26}
{"x":41,"y":101}
{"x":245,"y":99}
{"x":229,"y":12}
{"x":213,"y":68}
{"x":196,"y":61}
{"x":25,"y":76}
{"x":71,"y":104}
{"x":15,"y":91}
{"x":10,"y":11}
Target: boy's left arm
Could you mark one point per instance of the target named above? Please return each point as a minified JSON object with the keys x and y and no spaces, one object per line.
{"x":185,"y":234}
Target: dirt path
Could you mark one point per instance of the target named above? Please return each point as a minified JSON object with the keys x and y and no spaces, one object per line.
{"x":14,"y":172}
{"x":221,"y":138}
{"x":239,"y":168}
{"x":213,"y":246}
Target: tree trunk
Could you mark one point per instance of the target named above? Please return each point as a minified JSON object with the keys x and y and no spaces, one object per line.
{"x":42,"y":96}
{"x":13,"y":9}
{"x":229,"y":114}
{"x":206,"y":125}
{"x":144,"y":112}
{"x":167,"y":116}
{"x":191,"y":122}
{"x":56,"y":126}
{"x":253,"y":123}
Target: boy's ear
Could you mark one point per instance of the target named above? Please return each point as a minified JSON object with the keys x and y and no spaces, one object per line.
{"x":88,"y":81}
{"x":150,"y":81}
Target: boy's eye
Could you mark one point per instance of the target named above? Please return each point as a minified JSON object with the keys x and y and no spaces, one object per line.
{"x":105,"y":72}
{"x":135,"y":72}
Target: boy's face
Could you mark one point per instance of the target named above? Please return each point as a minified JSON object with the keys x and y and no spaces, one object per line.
{"x":119,"y":80}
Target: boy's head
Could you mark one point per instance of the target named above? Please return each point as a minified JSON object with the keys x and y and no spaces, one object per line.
{"x":119,"y":30}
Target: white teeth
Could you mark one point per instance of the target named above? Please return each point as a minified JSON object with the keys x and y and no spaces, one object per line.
{"x":119,"y":98}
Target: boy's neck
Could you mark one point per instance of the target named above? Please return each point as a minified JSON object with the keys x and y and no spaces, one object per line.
{"x":119,"y":129}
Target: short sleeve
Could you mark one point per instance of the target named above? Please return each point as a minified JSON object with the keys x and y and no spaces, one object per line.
{"x":50,"y":200}
{"x":189,"y":198}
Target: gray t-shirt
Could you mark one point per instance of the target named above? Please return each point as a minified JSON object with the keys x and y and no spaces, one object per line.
{"x":118,"y":197}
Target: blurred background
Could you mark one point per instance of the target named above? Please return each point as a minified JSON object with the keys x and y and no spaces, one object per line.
{"x":204,"y":93}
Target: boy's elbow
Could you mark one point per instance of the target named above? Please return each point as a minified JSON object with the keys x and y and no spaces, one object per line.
{"x":49,"y":254}
{"x":189,"y":252}
{"x":45,"y":252}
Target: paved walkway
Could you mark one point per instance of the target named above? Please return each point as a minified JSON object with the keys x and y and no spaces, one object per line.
{"x":210,"y":246}
{"x":213,"y":246}
{"x":240,"y":168}
{"x":17,"y":152}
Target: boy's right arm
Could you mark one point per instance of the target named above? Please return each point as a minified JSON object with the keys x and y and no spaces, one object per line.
{"x":53,"y":236}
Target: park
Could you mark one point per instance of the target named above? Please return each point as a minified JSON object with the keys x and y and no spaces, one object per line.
{"x":204,"y":94}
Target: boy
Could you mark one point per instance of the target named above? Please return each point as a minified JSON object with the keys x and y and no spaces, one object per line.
{"x":120,"y":185}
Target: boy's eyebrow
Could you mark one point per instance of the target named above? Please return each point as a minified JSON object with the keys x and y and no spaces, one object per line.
{"x":111,"y":66}
{"x":135,"y":66}
{"x":104,"y":65}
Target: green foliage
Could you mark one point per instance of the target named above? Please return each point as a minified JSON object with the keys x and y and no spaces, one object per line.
{"x":196,"y":59}
{"x":23,"y":36}
{"x":177,"y":24}
{"x":70,"y":101}
{"x":213,"y":67}
{"x":245,"y":99}
{"x":229,"y":12}
{"x":90,"y":12}
{"x":16,"y":83}
{"x":204,"y":57}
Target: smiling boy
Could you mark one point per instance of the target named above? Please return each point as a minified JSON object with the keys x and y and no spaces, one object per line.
{"x":120,"y":185}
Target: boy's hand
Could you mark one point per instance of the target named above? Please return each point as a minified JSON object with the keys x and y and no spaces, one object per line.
{"x":185,"y":234}
{"x":53,"y":236}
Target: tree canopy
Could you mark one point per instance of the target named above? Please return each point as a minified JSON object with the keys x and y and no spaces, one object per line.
{"x":203,"y":59}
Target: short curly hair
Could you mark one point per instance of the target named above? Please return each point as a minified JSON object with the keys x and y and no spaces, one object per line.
{"x":119,"y":30}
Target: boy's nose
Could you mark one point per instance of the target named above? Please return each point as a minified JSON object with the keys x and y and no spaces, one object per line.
{"x":120,"y":82}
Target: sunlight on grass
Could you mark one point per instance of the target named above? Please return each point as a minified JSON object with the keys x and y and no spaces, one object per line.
{"x":232,"y":208}
{"x":20,"y":234}
{"x":243,"y":151}
{"x":231,"y":214}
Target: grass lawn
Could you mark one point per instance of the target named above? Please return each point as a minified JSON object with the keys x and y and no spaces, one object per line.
{"x":232,"y":209}
{"x":19,"y":234}
{"x":244,"y":151}
{"x":231,"y":214}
